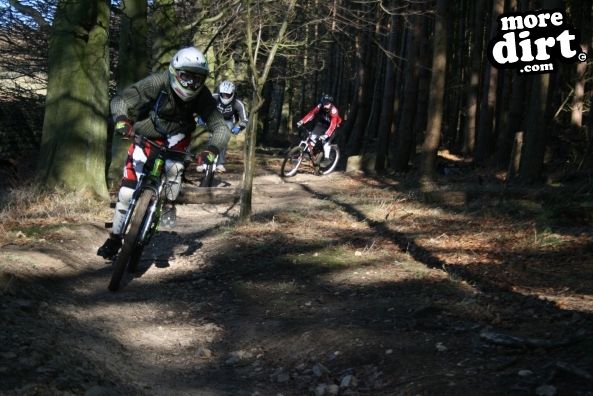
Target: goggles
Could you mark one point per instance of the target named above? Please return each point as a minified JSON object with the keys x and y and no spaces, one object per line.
{"x":190,"y":80}
{"x":226,"y":95}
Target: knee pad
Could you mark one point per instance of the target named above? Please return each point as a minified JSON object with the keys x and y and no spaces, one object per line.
{"x":124,"y":196}
{"x":121,"y":207}
{"x":174,"y":171}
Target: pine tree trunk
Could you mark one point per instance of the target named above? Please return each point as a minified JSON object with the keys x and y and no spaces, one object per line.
{"x":424,"y":64}
{"x":537,"y":129}
{"x":515,"y":112}
{"x":474,"y":79}
{"x":485,"y":133}
{"x":404,"y":138}
{"x":387,"y":104}
{"x":437,"y":89}
{"x":356,"y":127}
{"x":583,"y":14}
{"x":75,"y":125}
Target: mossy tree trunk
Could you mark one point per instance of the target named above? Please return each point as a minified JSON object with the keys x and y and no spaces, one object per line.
{"x":75,"y":125}
{"x":132,"y":66}
{"x":166,"y":33}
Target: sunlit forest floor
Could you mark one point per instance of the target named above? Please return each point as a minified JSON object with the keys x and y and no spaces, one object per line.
{"x":342,"y":284}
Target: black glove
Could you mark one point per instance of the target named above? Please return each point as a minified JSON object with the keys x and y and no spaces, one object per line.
{"x":123,"y":127}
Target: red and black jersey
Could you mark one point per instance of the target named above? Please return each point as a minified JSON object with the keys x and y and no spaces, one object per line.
{"x":329,"y":120}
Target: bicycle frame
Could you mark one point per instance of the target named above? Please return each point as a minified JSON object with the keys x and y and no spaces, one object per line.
{"x":308,"y":146}
{"x":155,"y":181}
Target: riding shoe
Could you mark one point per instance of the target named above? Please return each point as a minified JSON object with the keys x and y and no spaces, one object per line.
{"x":110,"y":247}
{"x":169,"y":216}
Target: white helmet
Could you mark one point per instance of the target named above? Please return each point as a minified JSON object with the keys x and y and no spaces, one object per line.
{"x":226,"y":91}
{"x":187,"y":72}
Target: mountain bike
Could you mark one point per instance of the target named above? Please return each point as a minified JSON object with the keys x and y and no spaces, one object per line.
{"x":144,"y":211}
{"x":310,"y":147}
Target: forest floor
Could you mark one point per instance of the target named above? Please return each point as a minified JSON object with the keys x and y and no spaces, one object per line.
{"x":341,"y":284}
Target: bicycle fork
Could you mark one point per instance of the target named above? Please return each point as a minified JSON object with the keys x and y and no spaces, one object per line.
{"x":154,"y":209}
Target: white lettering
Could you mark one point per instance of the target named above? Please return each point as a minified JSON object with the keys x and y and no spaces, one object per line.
{"x":525,"y":45}
{"x":564,"y":39}
{"x":542,"y":19}
{"x":530,"y":21}
{"x":556,"y":19}
{"x":512,"y":23}
{"x":541,"y":44}
{"x":508,"y":46}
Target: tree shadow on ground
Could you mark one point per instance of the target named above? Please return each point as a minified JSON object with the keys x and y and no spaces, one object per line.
{"x":270,"y":313}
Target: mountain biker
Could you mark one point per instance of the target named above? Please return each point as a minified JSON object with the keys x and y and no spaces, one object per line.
{"x":325,"y":118}
{"x":162,"y":107}
{"x":234,"y":113}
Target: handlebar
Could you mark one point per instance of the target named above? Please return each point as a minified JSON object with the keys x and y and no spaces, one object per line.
{"x":145,"y":139}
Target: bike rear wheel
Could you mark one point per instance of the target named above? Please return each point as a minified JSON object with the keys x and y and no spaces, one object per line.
{"x":208,"y":178}
{"x":291,"y":162}
{"x":327,"y":165}
{"x":132,"y":247}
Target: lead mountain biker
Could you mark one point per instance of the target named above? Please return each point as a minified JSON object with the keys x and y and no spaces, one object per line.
{"x":325,"y":119}
{"x":162,"y":107}
{"x":234,"y":113}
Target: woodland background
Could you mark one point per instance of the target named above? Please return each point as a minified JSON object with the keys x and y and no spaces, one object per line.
{"x":409,"y":77}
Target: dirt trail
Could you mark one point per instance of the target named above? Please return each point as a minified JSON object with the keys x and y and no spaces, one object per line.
{"x":266,"y":310}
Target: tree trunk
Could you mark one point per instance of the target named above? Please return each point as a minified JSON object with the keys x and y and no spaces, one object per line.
{"x":437,"y":88}
{"x":132,"y":66}
{"x":424,"y":60}
{"x":583,"y":13}
{"x":75,"y":125}
{"x":474,"y":79}
{"x":356,"y":125}
{"x":249,"y":155}
{"x":388,"y":99}
{"x":133,"y":56}
{"x":166,"y":34}
{"x":485,"y":139}
{"x":404,"y":138}
{"x":258,"y":78}
{"x":537,"y":129}
{"x":515,"y":112}
{"x":277,"y":102}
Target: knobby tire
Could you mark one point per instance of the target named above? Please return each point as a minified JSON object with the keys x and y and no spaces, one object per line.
{"x":130,"y":248}
{"x":208,"y":178}
{"x":292,"y":154}
{"x":324,"y":170}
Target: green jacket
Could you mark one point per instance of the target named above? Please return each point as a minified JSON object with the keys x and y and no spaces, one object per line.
{"x":157,"y":111}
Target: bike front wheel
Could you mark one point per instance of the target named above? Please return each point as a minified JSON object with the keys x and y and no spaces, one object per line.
{"x":208,"y":178}
{"x":291,"y":162}
{"x":328,"y":164}
{"x":132,"y":246}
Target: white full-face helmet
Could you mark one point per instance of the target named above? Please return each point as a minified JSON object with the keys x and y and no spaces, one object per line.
{"x":226,"y":90}
{"x":187,"y":72}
